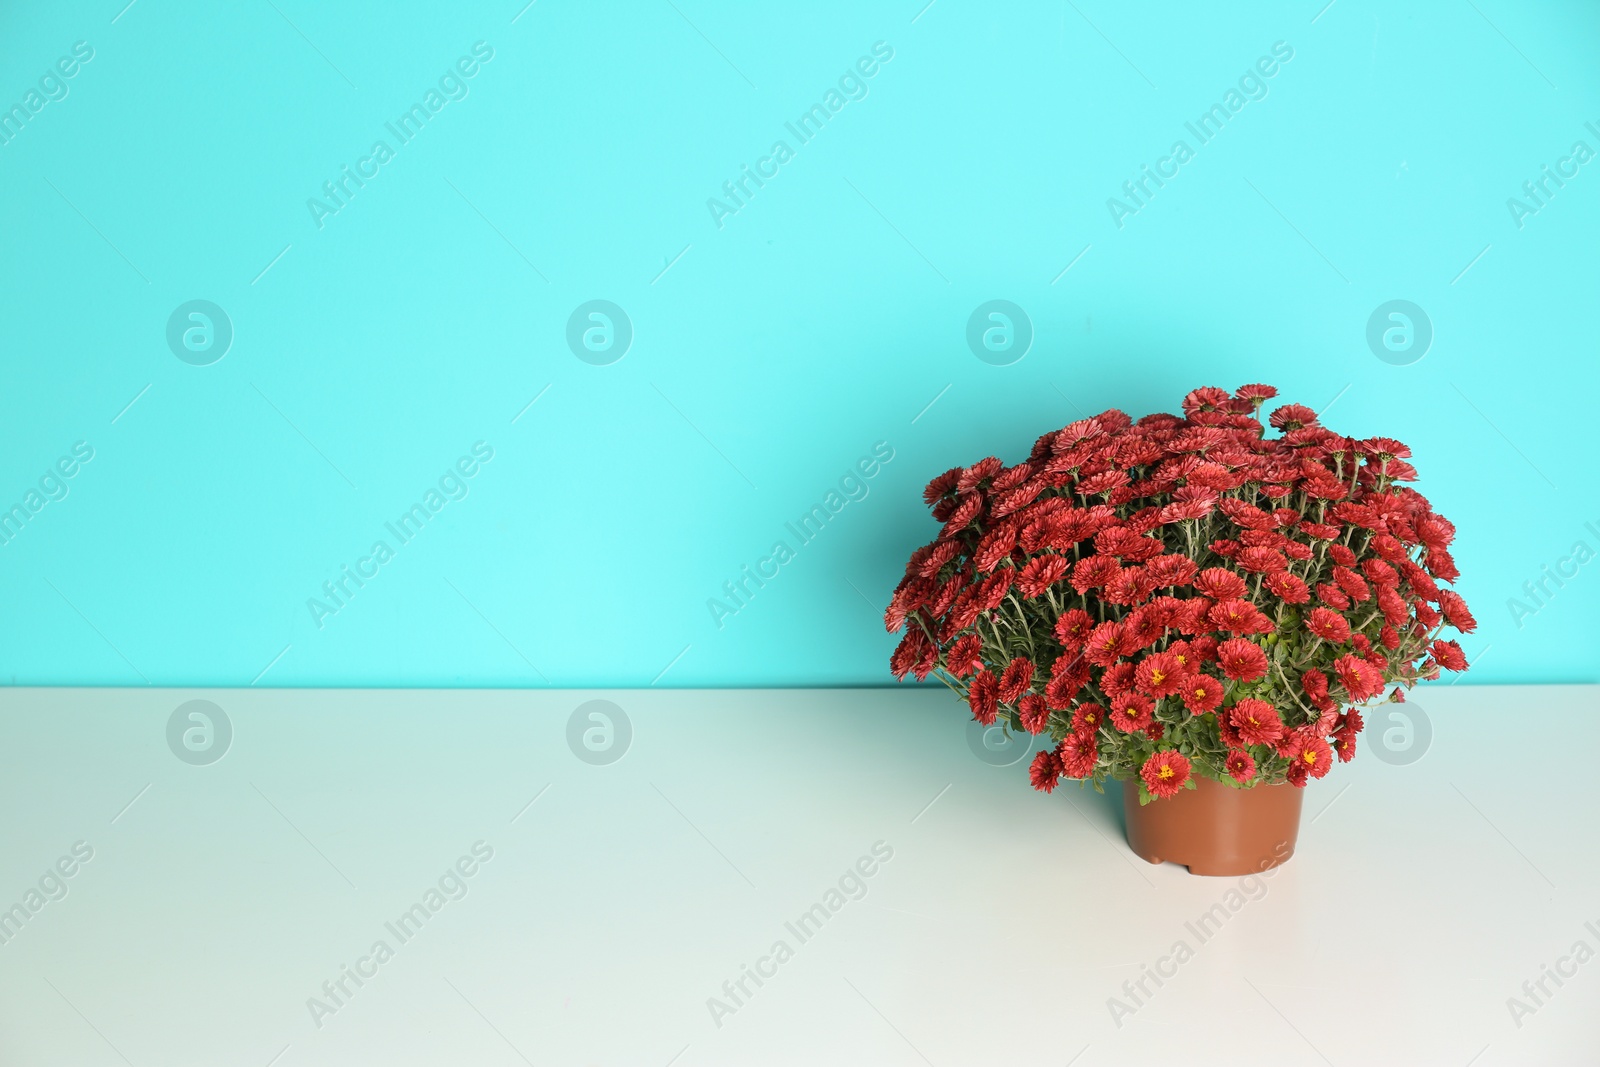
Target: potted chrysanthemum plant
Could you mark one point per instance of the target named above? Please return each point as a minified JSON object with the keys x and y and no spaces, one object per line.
{"x":1192,"y":605}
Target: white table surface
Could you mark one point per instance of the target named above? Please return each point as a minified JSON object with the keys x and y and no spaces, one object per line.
{"x":221,"y":898}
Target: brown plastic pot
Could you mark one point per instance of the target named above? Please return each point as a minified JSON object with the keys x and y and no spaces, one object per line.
{"x":1215,"y":829}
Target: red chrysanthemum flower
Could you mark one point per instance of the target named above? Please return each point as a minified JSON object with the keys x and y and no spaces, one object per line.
{"x":948,"y":591}
{"x":940,"y":486}
{"x":942,"y":553}
{"x":965,"y":513}
{"x":1333,"y":596}
{"x":1117,"y":679}
{"x":983,"y":697}
{"x":1219,"y":583}
{"x":1449,"y":655}
{"x":1033,"y":712}
{"x":1380,"y":573}
{"x":1045,"y":770}
{"x":1315,"y":683}
{"x":1321,"y":531}
{"x":1442,"y":565}
{"x":995,"y":546}
{"x":904,"y":655}
{"x":1344,"y":745}
{"x":1292,"y":417}
{"x":1435,"y":531}
{"x":1206,"y":398}
{"x":1327,"y":488}
{"x":992,"y":590}
{"x":1256,"y":720}
{"x":1393,"y":606}
{"x":1068,"y":675}
{"x":1073,"y":627}
{"x":1159,"y":674}
{"x":1165,"y":773}
{"x":1196,"y":507}
{"x":1455,"y":611}
{"x":963,"y":613}
{"x":1010,"y":478}
{"x":1075,"y":433}
{"x":1040,"y":573}
{"x":1247,"y":515}
{"x":1201,"y":693}
{"x":1107,"y":643}
{"x":1017,"y":677}
{"x":1328,"y":625}
{"x":985,"y":468}
{"x":1260,"y":560}
{"x":1011,"y":500}
{"x":1087,"y":718}
{"x":1145,"y":626}
{"x":1241,"y":766}
{"x":1309,"y":757}
{"x":1078,"y":755}
{"x":1192,"y":616}
{"x":1230,"y":737}
{"x":916,"y":654}
{"x":1241,"y":660}
{"x":1170,"y":570}
{"x":1186,"y":655}
{"x":1128,"y":586}
{"x":1094,"y":572}
{"x":1388,"y":547}
{"x":1352,"y":583}
{"x":965,"y":656}
{"x":1418,"y":580}
{"x":1131,"y":712}
{"x":1239,"y":617}
{"x":1360,"y":679}
{"x":1104,"y":482}
{"x":1385,"y":448}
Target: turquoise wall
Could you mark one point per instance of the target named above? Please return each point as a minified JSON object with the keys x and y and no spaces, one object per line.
{"x":425,"y":327}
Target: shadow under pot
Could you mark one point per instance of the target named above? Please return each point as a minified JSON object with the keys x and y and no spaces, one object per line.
{"x":1216,"y":829}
